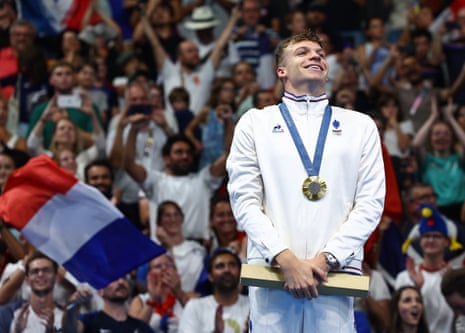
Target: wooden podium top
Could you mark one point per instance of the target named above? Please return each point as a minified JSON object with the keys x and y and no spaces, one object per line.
{"x":342,"y":284}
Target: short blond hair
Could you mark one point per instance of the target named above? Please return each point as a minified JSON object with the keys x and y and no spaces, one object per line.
{"x":307,"y":35}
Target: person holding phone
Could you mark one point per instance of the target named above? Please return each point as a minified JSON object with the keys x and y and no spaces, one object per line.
{"x":64,"y":103}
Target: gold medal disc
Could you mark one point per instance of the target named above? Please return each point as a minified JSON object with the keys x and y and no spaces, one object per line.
{"x":314,"y":187}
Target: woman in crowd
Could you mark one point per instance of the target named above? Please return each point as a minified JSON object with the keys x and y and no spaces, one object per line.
{"x":161,"y":306}
{"x":441,"y":163}
{"x":210,"y":120}
{"x":407,"y":315}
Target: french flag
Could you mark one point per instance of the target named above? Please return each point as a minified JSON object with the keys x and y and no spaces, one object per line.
{"x":73,"y":223}
{"x":52,"y":17}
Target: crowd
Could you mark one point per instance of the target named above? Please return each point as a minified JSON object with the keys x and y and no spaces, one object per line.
{"x":143,"y":107}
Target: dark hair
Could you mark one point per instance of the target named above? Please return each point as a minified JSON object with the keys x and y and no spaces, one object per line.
{"x":422,"y":33}
{"x":166,"y":149}
{"x":163,"y":205}
{"x":179,"y":93}
{"x":383,"y":100}
{"x":396,"y":320}
{"x":453,"y":281}
{"x":32,"y":62}
{"x":217,"y":85}
{"x":62,"y":63}
{"x":39,"y":255}
{"x":220,"y":252}
{"x":98,"y":163}
{"x":215,"y":200}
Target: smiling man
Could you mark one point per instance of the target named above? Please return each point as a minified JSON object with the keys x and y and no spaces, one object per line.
{"x":307,"y":212}
{"x":40,"y":314}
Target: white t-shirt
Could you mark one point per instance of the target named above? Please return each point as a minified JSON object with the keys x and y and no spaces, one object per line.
{"x":36,"y":324}
{"x":188,"y":258}
{"x":192,"y":193}
{"x":199,"y":315}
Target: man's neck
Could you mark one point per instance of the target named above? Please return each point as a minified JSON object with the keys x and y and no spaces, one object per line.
{"x":434,"y":262}
{"x":309,"y":89}
{"x":226,"y":298}
{"x":40,"y":302}
{"x":117,"y":311}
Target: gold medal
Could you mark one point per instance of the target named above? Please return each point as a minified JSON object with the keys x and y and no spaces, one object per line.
{"x":314,"y":187}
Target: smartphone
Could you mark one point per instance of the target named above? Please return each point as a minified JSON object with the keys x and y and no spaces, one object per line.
{"x":69,"y":101}
{"x":140,"y":109}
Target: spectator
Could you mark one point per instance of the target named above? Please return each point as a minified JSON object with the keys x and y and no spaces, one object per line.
{"x":440,"y":165}
{"x":161,"y":306}
{"x":226,"y":310}
{"x":255,"y":43}
{"x":452,"y":288}
{"x":99,"y":174}
{"x":188,"y":72}
{"x":223,"y":226}
{"x":7,"y":17}
{"x":149,"y":142}
{"x":22,"y":35}
{"x":161,"y":16}
{"x":397,"y":135}
{"x":202,"y":23}
{"x":66,"y":135}
{"x":62,"y":82}
{"x":71,"y":48}
{"x":85,"y":85}
{"x":32,"y":88}
{"x":112,"y":318}
{"x":210,"y":121}
{"x":179,"y":161}
{"x":40,"y":313}
{"x":179,"y":100}
{"x":188,"y":255}
{"x":295,"y":23}
{"x":371,"y":54}
{"x":408,"y":311}
{"x":245,"y":80}
{"x":434,"y":240}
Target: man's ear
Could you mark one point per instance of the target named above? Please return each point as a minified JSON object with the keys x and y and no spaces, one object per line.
{"x":281,"y":72}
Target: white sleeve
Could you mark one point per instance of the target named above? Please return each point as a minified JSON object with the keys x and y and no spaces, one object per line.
{"x":246,"y":191}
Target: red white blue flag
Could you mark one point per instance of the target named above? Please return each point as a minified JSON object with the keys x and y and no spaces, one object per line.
{"x":73,"y":223}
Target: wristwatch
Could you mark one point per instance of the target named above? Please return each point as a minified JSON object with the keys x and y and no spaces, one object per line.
{"x":331,"y":261}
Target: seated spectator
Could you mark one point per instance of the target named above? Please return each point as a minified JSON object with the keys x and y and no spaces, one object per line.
{"x":226,"y":309}
{"x":188,"y":255}
{"x":224,"y":227}
{"x":407,"y":311}
{"x":161,"y":306}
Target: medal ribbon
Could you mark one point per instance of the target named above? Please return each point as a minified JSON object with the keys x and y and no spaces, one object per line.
{"x":313,"y":169}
